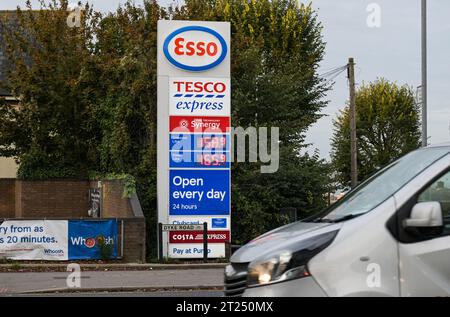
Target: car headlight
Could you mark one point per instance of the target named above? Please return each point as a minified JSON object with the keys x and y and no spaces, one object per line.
{"x":288,"y":264}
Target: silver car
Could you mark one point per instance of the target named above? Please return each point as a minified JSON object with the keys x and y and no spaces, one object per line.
{"x":390,"y":236}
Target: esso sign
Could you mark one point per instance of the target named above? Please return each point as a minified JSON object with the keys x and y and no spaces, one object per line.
{"x":195,"y":48}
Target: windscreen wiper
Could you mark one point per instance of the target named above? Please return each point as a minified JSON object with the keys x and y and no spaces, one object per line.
{"x":347,"y":217}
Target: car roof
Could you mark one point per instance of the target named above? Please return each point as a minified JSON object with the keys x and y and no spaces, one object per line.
{"x":446,"y":144}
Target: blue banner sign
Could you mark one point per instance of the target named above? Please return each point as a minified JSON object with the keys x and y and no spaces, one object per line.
{"x":92,"y":239}
{"x":205,"y":159}
{"x":199,"y":192}
{"x":219,"y":223}
{"x":199,"y":142}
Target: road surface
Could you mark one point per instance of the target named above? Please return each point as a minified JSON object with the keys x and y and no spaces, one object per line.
{"x":162,"y":280}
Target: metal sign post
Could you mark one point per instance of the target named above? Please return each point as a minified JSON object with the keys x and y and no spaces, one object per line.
{"x":184,"y":228}
{"x":205,"y":242}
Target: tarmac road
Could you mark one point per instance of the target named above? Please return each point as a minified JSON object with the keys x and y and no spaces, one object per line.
{"x":187,"y":294}
{"x":125,"y":281}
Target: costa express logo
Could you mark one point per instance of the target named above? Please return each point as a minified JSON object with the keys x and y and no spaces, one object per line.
{"x":195,"y":48}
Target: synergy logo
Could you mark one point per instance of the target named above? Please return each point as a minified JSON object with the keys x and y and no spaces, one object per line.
{"x":198,"y":124}
{"x":195,"y":48}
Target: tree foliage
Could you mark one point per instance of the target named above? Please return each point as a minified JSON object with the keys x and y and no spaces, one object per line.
{"x":88,"y":99}
{"x":276,"y":49}
{"x":388,"y":127}
{"x":50,"y":133}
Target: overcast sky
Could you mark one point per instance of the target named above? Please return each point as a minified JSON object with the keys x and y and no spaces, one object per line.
{"x":391,"y":51}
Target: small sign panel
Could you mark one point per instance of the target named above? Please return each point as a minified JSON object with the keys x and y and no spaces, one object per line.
{"x":193,"y":96}
{"x":188,"y":124}
{"x":199,"y":192}
{"x":197,"y":236}
{"x":183,"y":227}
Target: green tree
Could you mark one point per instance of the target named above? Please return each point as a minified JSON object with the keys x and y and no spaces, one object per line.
{"x":276,"y":48}
{"x":88,"y":99}
{"x":388,"y":127}
{"x":51,"y":134}
{"x":126,"y":99}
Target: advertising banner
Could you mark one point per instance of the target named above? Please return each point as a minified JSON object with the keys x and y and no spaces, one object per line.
{"x":58,"y":240}
{"x":199,"y":192}
{"x":92,"y":239}
{"x":34,"y":240}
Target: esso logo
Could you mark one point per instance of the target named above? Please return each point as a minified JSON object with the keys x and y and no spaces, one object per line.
{"x":195,"y":48}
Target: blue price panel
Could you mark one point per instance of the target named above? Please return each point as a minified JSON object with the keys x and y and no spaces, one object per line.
{"x":199,"y":192}
{"x":205,"y":159}
{"x":199,"y":142}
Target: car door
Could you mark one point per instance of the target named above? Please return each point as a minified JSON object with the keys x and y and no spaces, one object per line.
{"x":424,"y":253}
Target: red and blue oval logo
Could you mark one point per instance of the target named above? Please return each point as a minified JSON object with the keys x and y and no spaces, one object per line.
{"x":195,"y":48}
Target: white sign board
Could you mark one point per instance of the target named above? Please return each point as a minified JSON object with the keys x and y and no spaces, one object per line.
{"x":34,"y":239}
{"x":193,"y":96}
{"x":192,"y":251}
{"x":214,"y":223}
{"x":182,"y":227}
{"x":194,"y":179}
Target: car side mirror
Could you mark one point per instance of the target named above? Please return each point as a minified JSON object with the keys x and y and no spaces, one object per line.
{"x":425,"y":215}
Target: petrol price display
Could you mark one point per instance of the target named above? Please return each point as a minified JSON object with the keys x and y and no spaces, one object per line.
{"x":212,"y":142}
{"x":207,"y":159}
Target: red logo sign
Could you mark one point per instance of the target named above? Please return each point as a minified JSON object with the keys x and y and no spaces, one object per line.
{"x":200,"y":87}
{"x":195,"y":48}
{"x":90,"y":242}
{"x":215,"y":125}
{"x":190,"y":48}
{"x":197,"y":236}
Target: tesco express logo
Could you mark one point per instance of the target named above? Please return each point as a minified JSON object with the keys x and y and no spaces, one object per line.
{"x":195,"y":48}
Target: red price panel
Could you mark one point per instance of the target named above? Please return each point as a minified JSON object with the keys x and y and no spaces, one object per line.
{"x":212,"y":142}
{"x":206,"y":159}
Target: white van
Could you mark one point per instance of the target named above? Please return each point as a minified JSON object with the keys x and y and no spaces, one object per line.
{"x":390,"y":236}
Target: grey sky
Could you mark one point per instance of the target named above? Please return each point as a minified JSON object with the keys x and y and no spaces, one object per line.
{"x":391,"y":51}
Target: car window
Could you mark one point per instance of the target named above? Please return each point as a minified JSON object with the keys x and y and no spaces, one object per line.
{"x":439,"y":191}
{"x":385,"y":183}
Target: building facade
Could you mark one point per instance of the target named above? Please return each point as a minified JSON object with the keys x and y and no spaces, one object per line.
{"x":8,"y":167}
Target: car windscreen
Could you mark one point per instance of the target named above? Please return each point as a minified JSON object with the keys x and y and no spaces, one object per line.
{"x":385,"y":183}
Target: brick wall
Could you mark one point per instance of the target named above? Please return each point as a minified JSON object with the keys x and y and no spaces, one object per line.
{"x":114,"y":205}
{"x":52,"y":199}
{"x":18,"y":199}
{"x":7,"y":198}
{"x":66,"y":199}
{"x":134,"y":240}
